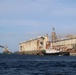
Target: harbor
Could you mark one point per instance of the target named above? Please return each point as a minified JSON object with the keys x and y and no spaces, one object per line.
{"x":37,"y":37}
{"x":43,"y":45}
{"x":46,"y":45}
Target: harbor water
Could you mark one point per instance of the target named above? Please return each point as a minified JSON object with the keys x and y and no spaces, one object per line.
{"x":14,"y":64}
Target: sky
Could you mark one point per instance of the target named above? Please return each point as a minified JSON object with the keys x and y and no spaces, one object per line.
{"x":21,"y":20}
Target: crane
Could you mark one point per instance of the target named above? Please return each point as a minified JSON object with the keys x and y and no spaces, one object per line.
{"x":1,"y":46}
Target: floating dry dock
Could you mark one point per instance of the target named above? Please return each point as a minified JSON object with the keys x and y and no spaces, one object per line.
{"x":37,"y":45}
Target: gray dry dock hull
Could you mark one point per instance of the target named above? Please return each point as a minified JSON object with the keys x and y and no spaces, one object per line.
{"x":59,"y":53}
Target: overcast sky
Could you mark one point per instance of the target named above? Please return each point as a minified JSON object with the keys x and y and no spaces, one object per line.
{"x":21,"y":20}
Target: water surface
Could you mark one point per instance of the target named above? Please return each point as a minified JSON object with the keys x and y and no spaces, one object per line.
{"x":37,"y":65}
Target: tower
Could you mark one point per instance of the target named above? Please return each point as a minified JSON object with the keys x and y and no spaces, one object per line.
{"x":53,"y":35}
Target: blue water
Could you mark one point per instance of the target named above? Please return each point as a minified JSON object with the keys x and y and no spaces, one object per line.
{"x":37,"y":65}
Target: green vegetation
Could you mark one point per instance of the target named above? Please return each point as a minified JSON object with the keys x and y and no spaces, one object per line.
{"x":43,"y":51}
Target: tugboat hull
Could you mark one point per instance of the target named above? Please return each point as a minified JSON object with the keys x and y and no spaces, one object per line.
{"x":58,"y":53}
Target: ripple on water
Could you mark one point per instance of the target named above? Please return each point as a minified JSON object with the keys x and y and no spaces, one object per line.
{"x":37,"y":65}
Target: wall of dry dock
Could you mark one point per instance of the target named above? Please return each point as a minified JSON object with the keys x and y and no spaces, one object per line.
{"x":73,"y":54}
{"x":28,"y":46}
{"x":68,"y":43}
{"x":34,"y":45}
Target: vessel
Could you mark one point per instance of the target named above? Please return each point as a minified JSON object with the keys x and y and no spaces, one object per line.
{"x":54,"y":52}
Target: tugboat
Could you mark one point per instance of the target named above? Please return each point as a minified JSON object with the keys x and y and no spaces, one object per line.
{"x":6,"y":51}
{"x":51,"y":52}
{"x":54,"y":52}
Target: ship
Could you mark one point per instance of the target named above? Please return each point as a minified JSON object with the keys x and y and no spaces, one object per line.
{"x":5,"y":50}
{"x":54,"y":52}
